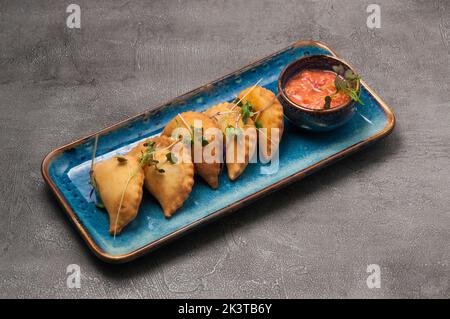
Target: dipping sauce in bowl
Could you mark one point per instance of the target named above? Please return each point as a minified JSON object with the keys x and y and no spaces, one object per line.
{"x":307,"y":91}
{"x":310,"y":87}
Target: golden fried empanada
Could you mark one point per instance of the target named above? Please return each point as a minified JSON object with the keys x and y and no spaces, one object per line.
{"x":239,"y":148}
{"x":119,"y":182}
{"x":270,"y":117}
{"x":170,"y":180}
{"x":208,"y":169}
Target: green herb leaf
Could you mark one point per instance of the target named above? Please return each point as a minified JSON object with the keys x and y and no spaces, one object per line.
{"x":99,"y":205}
{"x":231,"y":131}
{"x":146,"y":157}
{"x":327,"y":104}
{"x":247,"y":111}
{"x":340,"y":84}
{"x":339,"y":69}
{"x":237,"y":102}
{"x":258,"y":124}
{"x":171,"y":158}
{"x":121,"y":159}
{"x":350,"y":76}
{"x":353,"y":94}
{"x":347,"y":85}
{"x":198,"y":136}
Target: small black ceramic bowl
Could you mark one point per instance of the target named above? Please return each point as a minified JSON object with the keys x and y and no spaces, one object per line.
{"x":311,"y":119}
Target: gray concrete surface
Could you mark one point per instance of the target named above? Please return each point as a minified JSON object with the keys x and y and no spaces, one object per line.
{"x":388,"y":205}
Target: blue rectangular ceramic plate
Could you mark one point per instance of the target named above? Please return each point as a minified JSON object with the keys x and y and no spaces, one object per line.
{"x":66,"y":169}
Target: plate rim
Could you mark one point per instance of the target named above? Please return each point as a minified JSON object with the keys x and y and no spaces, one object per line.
{"x":121,"y":258}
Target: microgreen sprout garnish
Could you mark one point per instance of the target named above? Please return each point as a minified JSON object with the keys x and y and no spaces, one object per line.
{"x":248,"y":92}
{"x":346,"y":82}
{"x":339,"y":69}
{"x":146,"y":156}
{"x":247,"y":111}
{"x":121,"y":159}
{"x":204,"y":141}
{"x":198,"y":136}
{"x":100,"y":205}
{"x":171,"y":158}
{"x":231,"y":131}
{"x":196,"y":132}
{"x":237,"y":102}
{"x":327,"y":104}
{"x":148,"y":159}
{"x":91,"y":171}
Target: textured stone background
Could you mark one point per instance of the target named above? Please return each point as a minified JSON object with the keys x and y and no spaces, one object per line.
{"x":387,"y":205}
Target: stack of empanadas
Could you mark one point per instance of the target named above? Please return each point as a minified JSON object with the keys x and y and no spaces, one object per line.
{"x":166,"y":164}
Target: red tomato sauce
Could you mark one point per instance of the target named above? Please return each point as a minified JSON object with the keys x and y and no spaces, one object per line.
{"x":310,"y":87}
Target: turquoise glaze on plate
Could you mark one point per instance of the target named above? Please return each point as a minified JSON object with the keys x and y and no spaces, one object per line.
{"x":69,"y":170}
